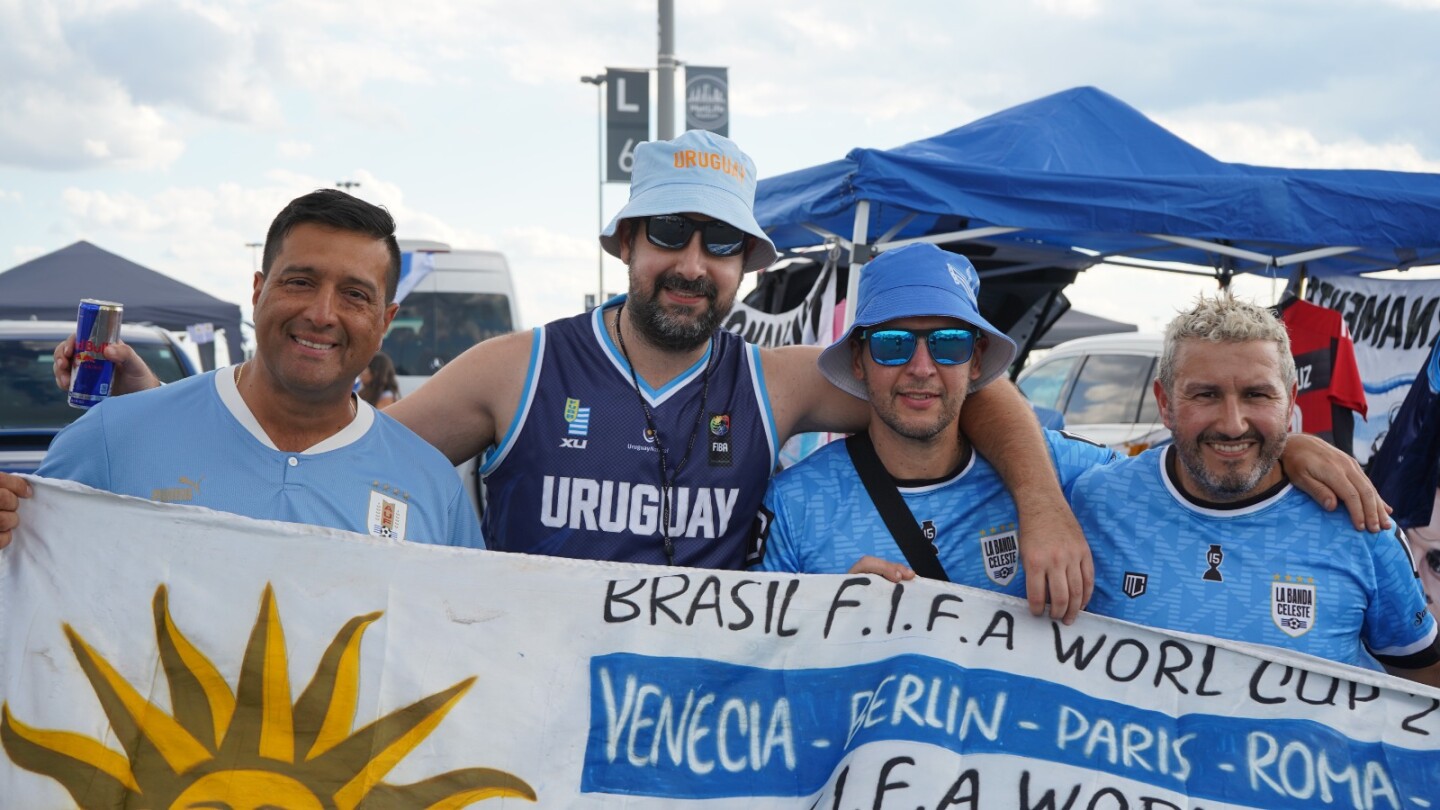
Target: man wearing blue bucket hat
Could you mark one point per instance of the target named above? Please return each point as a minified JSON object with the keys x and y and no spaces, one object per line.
{"x":918,"y":347}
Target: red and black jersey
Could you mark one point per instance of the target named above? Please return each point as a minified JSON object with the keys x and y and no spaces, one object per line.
{"x":1330,"y":391}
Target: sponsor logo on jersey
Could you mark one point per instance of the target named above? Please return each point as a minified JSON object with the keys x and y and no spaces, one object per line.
{"x":577,"y":418}
{"x":387,"y":514}
{"x":621,"y":506}
{"x":1000,"y":551}
{"x":719,"y":440}
{"x":1213,"y":558}
{"x":1292,"y":604}
{"x":1134,"y":584}
{"x":187,"y":491}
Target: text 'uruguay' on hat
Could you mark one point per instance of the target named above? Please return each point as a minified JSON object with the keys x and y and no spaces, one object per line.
{"x":699,"y":172}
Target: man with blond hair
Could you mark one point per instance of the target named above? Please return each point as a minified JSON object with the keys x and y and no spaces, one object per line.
{"x":1209,"y":536}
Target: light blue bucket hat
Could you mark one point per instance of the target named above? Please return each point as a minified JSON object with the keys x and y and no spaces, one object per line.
{"x":700,"y":173}
{"x":917,"y":281}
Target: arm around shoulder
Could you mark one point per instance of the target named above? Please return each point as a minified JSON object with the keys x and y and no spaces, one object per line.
{"x":467,"y":406}
{"x":1000,"y":424}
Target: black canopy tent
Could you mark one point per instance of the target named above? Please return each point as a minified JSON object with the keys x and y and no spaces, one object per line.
{"x":51,"y":286}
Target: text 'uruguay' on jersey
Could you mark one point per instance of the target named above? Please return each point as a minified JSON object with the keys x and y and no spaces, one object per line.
{"x":623,"y":506}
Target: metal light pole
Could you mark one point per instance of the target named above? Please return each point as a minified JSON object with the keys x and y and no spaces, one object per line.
{"x":665,"y":70}
{"x":599,"y":81}
{"x":255,"y":251}
{"x":346,"y":185}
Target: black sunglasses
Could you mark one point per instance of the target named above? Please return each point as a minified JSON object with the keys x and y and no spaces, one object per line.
{"x":673,"y":232}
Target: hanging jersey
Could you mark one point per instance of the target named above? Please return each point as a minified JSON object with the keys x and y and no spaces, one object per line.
{"x":578,"y":473}
{"x":1406,"y":468}
{"x":196,"y":442}
{"x":819,"y":519}
{"x":1275,"y":570}
{"x":1330,"y":390}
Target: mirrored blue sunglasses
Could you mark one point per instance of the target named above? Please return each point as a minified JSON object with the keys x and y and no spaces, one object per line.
{"x":894,"y":347}
{"x":673,"y":232}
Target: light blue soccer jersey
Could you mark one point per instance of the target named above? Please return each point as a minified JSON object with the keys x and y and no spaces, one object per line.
{"x":821,"y":520}
{"x":196,"y":442}
{"x":1275,"y":570}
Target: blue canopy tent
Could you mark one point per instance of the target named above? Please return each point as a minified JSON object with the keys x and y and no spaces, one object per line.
{"x":1067,"y":181}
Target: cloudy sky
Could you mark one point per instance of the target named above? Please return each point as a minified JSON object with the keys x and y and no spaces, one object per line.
{"x":171,"y":132}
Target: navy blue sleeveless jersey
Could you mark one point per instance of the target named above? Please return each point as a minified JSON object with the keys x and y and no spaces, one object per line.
{"x":576,"y":474}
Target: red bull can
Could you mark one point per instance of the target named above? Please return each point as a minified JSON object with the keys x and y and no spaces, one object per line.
{"x":97,"y":326}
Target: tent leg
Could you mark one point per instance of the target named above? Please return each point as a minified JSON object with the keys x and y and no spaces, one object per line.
{"x":860,"y":253}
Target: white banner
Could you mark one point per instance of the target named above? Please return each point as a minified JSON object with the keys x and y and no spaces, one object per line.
{"x":811,"y":323}
{"x":1393,"y":324}
{"x":163,"y":656}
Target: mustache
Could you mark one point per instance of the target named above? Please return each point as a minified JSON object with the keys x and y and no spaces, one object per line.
{"x":697,"y":286}
{"x":1248,"y":436}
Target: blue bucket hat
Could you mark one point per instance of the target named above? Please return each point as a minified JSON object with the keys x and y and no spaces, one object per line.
{"x":701,"y":173}
{"x":917,"y":281}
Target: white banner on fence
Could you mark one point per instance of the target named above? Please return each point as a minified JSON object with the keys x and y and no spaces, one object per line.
{"x":162,"y":656}
{"x":1393,"y":324}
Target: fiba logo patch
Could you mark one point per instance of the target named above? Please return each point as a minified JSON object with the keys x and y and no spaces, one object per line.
{"x":1000,"y":550}
{"x":1292,"y":604}
{"x":719,"y":440}
{"x":578,"y":424}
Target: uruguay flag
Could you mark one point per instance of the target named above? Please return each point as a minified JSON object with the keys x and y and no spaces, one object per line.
{"x":414,"y":267}
{"x":1406,"y":468}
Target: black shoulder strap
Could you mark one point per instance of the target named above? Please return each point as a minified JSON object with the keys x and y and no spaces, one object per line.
{"x":919,"y":552}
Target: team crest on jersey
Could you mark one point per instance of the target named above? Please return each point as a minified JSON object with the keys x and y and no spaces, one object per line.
{"x":387,"y":514}
{"x":1000,"y":549}
{"x":1134,"y":584}
{"x":1292,"y":604}
{"x":577,"y":421}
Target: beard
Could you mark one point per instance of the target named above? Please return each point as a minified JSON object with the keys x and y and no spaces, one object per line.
{"x":891,"y":415}
{"x":1235,"y":480}
{"x":677,"y":328}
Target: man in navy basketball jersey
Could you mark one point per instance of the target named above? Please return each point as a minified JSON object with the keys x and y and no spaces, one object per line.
{"x":1208,"y":535}
{"x":917,"y":347}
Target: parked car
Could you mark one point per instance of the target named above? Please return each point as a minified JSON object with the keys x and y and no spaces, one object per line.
{"x":32,"y":409}
{"x":1101,"y":386}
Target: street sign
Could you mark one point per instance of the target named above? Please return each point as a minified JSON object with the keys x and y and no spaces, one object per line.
{"x":627,"y":120}
{"x":707,"y":99}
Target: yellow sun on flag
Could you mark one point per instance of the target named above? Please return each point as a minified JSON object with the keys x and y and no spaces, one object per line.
{"x":250,"y":748}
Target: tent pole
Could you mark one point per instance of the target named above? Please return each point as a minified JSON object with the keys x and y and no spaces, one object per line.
{"x":859,"y":256}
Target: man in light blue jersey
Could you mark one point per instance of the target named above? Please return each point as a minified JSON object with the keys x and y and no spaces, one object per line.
{"x":281,"y":437}
{"x":917,"y":348}
{"x":1209,"y":536}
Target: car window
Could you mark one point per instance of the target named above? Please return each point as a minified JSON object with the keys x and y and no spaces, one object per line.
{"x":1108,"y":389}
{"x":1149,"y":409}
{"x":1044,"y":385}
{"x":431,"y":329}
{"x":162,"y":360}
{"x":28,"y":396}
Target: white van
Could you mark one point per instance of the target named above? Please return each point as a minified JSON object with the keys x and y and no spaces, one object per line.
{"x":469,"y":297}
{"x":1102,"y":387}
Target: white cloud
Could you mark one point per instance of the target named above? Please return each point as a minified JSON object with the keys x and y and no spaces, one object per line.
{"x":294,"y":149}
{"x":1294,"y":147}
{"x":11,"y":196}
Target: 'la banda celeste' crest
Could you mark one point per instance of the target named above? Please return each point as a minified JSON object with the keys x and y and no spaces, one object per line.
{"x":252,"y":747}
